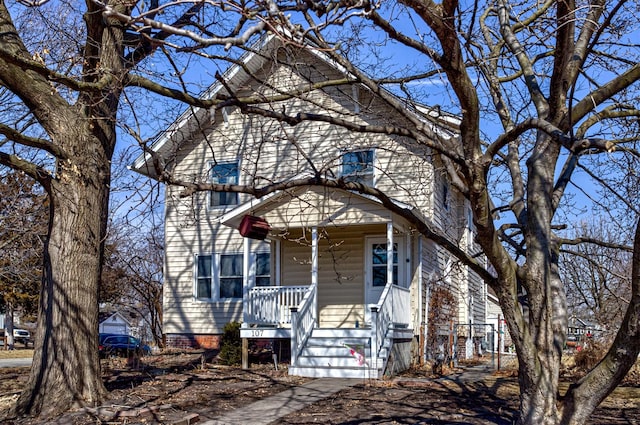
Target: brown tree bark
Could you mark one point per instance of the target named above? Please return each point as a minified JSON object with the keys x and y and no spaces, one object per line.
{"x":66,"y":367}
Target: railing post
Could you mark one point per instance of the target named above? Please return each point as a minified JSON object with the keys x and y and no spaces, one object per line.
{"x":314,"y":270}
{"x":294,"y":336}
{"x":374,"y":333}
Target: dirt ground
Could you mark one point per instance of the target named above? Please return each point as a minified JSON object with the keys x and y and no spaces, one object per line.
{"x":171,"y":388}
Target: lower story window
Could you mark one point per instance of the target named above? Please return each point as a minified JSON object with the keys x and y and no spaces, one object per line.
{"x":231,"y":276}
{"x":220,"y":276}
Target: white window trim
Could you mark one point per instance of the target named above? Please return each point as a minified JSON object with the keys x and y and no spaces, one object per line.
{"x":210,"y":165}
{"x":215,"y":274}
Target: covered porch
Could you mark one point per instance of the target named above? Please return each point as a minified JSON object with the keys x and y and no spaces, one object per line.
{"x":356,"y":286}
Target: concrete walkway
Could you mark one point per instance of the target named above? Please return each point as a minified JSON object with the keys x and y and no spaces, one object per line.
{"x":272,"y":408}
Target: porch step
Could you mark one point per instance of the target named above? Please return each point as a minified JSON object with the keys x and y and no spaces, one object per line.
{"x":328,"y":354}
{"x":360,"y":372}
{"x":341,"y":333}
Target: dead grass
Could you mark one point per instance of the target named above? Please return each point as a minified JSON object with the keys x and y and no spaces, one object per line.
{"x":16,"y":354}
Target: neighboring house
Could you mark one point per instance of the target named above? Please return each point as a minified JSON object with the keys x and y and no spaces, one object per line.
{"x":501,"y":338}
{"x":113,"y":323}
{"x":336,"y":269}
{"x":580,"y":332}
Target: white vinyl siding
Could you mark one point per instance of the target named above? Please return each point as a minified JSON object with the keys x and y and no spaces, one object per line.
{"x":263,"y":152}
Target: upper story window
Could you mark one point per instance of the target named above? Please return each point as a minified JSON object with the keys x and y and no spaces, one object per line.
{"x":357,"y":166}
{"x":224,"y":173}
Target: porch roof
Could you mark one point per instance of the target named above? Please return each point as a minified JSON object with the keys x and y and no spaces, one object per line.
{"x":322,"y":207}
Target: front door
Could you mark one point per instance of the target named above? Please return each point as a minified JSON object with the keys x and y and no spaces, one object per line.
{"x":376,"y":270}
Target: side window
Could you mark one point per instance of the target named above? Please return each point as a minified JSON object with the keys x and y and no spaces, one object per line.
{"x":220,"y":276}
{"x":357,"y":166}
{"x":224,"y":173}
{"x":445,"y":195}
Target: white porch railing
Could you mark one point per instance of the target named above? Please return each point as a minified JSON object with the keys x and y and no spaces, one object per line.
{"x":271,"y":305}
{"x":392,"y":309}
{"x":303,"y":320}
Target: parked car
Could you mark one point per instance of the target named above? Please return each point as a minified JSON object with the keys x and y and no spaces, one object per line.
{"x":21,"y":336}
{"x":121,"y":345}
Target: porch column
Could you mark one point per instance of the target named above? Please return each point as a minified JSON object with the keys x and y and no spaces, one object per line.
{"x":245,"y":299}
{"x":314,"y":269}
{"x":390,"y":252}
{"x":246,"y":281}
{"x":314,"y":255}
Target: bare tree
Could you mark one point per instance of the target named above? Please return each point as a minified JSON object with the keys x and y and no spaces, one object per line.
{"x":23,"y":223}
{"x":132,"y":277}
{"x":65,"y":71}
{"x":597,"y":276}
{"x":545,"y":94}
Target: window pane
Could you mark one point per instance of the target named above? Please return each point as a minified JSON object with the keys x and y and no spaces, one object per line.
{"x":231,"y":265}
{"x":379,"y":276}
{"x":358,"y":166}
{"x":204,"y":266}
{"x":263,"y":269}
{"x":203,"y":278}
{"x":204,"y":288}
{"x":263,"y":264}
{"x":263,"y":281}
{"x":231,"y":276}
{"x":231,"y":287}
{"x":379,"y":264}
{"x":379,"y":253}
{"x":224,"y":173}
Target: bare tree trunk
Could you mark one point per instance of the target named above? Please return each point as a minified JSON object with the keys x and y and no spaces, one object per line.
{"x":66,"y":366}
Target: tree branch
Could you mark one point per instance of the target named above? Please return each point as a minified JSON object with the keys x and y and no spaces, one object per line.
{"x":39,"y":174}
{"x":18,"y":137}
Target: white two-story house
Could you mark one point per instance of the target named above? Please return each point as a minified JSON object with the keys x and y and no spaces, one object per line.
{"x":325,"y":268}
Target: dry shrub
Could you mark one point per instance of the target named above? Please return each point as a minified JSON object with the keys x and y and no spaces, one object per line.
{"x":633,"y":376}
{"x":589,"y":356}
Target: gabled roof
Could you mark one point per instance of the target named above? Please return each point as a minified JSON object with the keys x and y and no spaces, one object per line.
{"x":235,"y":76}
{"x":276,"y":199}
{"x":105,"y":316}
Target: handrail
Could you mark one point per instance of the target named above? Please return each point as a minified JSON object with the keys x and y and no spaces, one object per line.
{"x":303,"y":320}
{"x":392,"y":308}
{"x":271,"y":305}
